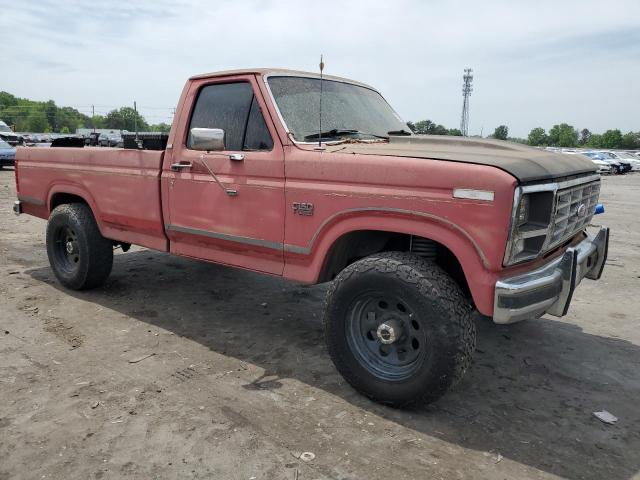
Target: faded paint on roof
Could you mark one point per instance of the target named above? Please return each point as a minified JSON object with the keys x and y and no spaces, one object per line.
{"x":277,"y":71}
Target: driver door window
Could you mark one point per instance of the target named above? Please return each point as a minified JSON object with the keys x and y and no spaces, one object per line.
{"x":233,"y":108}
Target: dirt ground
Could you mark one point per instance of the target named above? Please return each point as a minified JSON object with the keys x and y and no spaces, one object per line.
{"x":181,"y":369}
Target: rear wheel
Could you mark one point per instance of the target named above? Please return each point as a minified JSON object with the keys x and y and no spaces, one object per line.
{"x":81,"y":258}
{"x":398,"y":328}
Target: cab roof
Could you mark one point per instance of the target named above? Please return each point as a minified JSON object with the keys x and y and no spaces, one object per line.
{"x":275,"y":72}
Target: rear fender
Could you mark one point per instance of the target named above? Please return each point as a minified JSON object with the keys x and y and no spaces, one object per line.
{"x":79,"y":191}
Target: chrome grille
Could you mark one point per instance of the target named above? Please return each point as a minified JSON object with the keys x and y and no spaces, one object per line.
{"x":566,"y":220}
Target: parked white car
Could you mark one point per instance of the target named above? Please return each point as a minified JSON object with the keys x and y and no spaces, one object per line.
{"x":616,"y":166}
{"x":9,"y":136}
{"x":627,"y":158}
{"x":604,"y":167}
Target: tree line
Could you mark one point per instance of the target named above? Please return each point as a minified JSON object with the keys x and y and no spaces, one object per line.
{"x":26,"y":115}
{"x":427,"y":127}
{"x":565,"y":135}
{"x":32,"y":116}
{"x":562,"y":135}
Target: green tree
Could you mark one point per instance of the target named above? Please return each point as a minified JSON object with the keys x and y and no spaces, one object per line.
{"x":125,"y":118}
{"x":64,"y":130}
{"x":440,"y":130}
{"x":538,"y":137}
{"x":427,"y":127}
{"x":37,"y":122}
{"x":16,"y":111}
{"x":160,"y":127}
{"x":612,"y":139}
{"x":563,"y":135}
{"x":424,"y":127}
{"x":631,"y":141}
{"x":52,"y":113}
{"x":585,"y":135}
{"x":595,"y":141}
{"x":97,"y":121}
{"x":501,"y":132}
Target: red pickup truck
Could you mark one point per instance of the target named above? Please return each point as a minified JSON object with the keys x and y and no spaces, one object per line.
{"x":415,"y":233}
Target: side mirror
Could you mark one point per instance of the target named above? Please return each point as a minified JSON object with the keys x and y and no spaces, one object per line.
{"x":209,"y":139}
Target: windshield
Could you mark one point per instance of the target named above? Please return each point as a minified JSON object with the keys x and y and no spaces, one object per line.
{"x":347,"y":109}
{"x":4,"y":144}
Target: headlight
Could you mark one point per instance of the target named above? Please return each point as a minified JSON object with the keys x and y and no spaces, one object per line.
{"x":530,"y":227}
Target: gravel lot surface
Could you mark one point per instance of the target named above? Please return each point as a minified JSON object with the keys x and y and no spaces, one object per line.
{"x":180,"y":369}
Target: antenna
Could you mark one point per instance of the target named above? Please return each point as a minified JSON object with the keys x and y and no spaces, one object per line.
{"x":320,"y":116}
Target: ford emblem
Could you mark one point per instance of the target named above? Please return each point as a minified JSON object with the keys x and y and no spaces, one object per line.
{"x":582,"y":210}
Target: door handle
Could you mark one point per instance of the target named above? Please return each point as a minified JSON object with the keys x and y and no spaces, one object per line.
{"x":176,"y":167}
{"x":236,"y":157}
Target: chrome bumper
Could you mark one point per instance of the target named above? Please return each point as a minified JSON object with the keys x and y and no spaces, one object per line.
{"x":549,"y":288}
{"x":17,"y":207}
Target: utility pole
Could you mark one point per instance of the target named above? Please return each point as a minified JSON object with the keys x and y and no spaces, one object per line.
{"x":135,"y":119}
{"x":93,"y":118}
{"x":466,"y":93}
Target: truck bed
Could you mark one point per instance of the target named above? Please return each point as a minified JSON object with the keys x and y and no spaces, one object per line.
{"x":121,"y":186}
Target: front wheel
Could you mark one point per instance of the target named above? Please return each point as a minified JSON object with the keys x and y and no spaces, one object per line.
{"x":81,"y":258}
{"x":398,"y":328}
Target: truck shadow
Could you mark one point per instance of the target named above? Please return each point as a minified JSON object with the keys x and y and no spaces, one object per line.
{"x":528,"y":397}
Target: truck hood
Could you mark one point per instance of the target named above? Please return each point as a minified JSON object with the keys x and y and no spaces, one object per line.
{"x":527,"y":164}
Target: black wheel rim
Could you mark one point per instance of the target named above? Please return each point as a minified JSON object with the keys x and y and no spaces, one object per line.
{"x":65,"y":250}
{"x":386,"y":336}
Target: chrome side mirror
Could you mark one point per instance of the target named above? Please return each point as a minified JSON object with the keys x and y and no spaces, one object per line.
{"x":209,"y":139}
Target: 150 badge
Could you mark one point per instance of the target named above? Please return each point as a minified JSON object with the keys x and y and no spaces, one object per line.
{"x":302,"y":208}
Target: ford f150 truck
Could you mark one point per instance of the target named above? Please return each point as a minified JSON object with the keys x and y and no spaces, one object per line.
{"x":414,"y":233}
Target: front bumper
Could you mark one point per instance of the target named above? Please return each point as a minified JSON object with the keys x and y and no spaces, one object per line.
{"x":549,"y":288}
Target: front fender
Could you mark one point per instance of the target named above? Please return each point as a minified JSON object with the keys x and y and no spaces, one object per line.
{"x":305,"y":263}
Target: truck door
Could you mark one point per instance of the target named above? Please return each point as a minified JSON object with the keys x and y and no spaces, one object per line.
{"x":227,"y":206}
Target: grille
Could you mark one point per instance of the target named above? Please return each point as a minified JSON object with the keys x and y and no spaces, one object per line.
{"x":566,"y":219}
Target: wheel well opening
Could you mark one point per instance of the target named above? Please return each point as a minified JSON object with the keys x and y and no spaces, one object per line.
{"x":353,"y":246}
{"x":63,"y":198}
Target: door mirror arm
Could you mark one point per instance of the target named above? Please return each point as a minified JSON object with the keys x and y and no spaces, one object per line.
{"x":229,"y":191}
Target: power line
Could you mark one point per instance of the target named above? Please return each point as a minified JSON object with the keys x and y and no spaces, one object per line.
{"x":79,"y":107}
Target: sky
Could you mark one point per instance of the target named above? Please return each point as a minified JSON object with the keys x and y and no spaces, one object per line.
{"x":536,"y":63}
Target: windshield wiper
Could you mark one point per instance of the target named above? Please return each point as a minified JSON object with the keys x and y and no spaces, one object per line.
{"x":398,"y":132}
{"x":339,"y":133}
